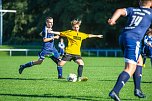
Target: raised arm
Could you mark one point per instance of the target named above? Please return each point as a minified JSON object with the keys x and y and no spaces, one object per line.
{"x":95,"y":36}
{"x":116,"y":15}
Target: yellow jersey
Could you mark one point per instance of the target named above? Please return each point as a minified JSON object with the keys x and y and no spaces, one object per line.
{"x":74,"y":41}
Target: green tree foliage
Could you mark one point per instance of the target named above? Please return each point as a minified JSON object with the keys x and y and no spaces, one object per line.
{"x":27,"y":23}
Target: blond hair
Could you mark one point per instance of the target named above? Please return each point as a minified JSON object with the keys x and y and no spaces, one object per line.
{"x":75,"y":22}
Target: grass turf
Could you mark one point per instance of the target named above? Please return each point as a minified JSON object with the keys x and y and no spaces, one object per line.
{"x":40,"y":83}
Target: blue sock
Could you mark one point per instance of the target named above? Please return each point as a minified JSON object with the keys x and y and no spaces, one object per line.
{"x":122,"y":79}
{"x":29,"y":64}
{"x":59,"y":68}
{"x":137,"y":77}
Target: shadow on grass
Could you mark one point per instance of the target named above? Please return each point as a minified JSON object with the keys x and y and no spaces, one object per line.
{"x":86,"y":98}
{"x":45,"y":79}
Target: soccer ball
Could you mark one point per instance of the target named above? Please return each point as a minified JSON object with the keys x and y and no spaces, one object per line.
{"x":72,"y":77}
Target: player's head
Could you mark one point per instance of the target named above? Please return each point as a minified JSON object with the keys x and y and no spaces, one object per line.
{"x":49,"y":22}
{"x":76,"y":25}
{"x":61,"y":40}
{"x":149,"y":32}
{"x":145,"y":3}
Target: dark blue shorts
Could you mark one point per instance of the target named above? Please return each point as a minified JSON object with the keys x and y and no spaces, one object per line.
{"x":43,"y":53}
{"x":131,"y":49}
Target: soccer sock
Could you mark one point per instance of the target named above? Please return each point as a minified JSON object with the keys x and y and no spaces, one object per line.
{"x":29,"y":64}
{"x":137,"y":77}
{"x":151,"y":61}
{"x":122,"y":79}
{"x":80,"y":70}
{"x":59,"y":68}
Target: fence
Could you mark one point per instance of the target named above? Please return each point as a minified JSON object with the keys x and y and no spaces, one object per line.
{"x":85,"y":52}
{"x":19,"y":50}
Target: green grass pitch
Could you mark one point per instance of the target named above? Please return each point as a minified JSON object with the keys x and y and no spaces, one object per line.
{"x":40,"y":83}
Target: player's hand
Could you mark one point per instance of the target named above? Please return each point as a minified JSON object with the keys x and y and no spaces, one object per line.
{"x":111,"y":22}
{"x":56,"y":37}
{"x":100,"y":36}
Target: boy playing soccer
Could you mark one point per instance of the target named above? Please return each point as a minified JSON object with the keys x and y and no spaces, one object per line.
{"x":48,"y":48}
{"x":72,"y":51}
{"x":139,"y":20}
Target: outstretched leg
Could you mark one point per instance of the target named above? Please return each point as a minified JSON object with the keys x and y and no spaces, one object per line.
{"x":29,"y":64}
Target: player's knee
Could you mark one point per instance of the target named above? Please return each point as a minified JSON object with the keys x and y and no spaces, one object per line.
{"x":80,"y":63}
{"x":39,"y":62}
{"x":61,"y":63}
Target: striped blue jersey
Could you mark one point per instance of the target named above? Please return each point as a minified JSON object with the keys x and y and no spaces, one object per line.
{"x":139,"y":20}
{"x":50,"y":44}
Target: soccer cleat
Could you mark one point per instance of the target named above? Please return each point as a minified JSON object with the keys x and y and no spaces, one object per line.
{"x":139,"y":93}
{"x":144,"y":65}
{"x":114,"y":96}
{"x":21,"y":69}
{"x":82,"y":78}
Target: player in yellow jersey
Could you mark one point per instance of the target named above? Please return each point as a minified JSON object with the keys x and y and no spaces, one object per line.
{"x":72,"y":51}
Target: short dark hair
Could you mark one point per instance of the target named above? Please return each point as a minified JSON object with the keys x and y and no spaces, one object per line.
{"x":48,"y":18}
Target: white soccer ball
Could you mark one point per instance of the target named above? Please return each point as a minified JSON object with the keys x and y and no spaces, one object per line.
{"x":72,"y":77}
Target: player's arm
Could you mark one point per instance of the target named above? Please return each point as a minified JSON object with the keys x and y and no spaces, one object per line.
{"x":55,"y":32}
{"x":49,"y":39}
{"x":95,"y":36}
{"x":116,"y":15}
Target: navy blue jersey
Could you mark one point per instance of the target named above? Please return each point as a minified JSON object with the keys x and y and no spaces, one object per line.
{"x":50,"y":44}
{"x":147,"y":40}
{"x":139,"y":20}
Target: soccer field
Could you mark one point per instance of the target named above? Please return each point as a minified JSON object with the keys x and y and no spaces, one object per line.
{"x":40,"y":83}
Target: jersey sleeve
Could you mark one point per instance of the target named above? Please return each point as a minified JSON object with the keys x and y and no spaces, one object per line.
{"x":84,"y":35}
{"x":128,"y":10}
{"x":65,"y":33}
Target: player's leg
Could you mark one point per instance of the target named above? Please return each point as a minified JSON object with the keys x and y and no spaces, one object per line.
{"x":80,"y":67}
{"x":56,"y":59}
{"x":59,"y":68}
{"x":32,"y":63}
{"x":80,"y":63}
{"x":29,"y":64}
{"x":137,"y":79}
{"x":151,"y":60}
{"x":144,"y":55}
{"x":56,"y":56}
{"x":150,"y":55}
{"x":65,"y":58}
{"x":131,"y":51}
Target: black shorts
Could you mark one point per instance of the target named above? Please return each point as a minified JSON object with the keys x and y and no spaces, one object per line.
{"x":69,"y":57}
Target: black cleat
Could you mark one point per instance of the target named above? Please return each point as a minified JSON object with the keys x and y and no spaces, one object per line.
{"x":114,"y":96}
{"x":21,"y":69}
{"x":139,"y":93}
